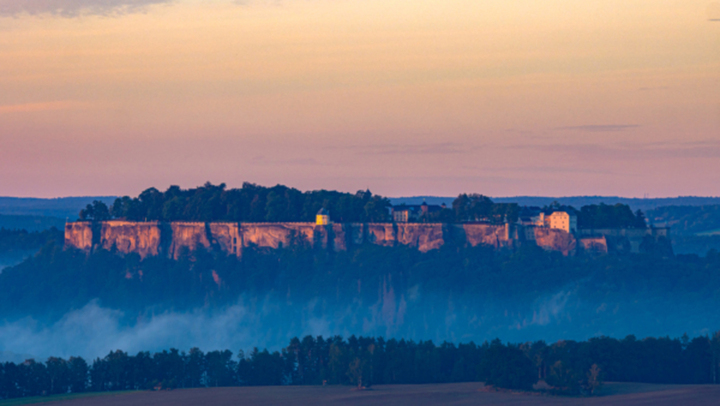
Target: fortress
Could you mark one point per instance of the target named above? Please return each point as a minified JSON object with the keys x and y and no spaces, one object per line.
{"x":174,"y":238}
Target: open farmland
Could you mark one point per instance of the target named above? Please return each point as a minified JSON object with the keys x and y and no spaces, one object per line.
{"x":619,"y":394}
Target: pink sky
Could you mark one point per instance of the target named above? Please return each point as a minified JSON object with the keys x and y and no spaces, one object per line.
{"x":405,"y":97}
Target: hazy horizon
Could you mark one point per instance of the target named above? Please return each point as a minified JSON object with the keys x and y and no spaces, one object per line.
{"x":553,"y":98}
{"x":416,"y":196}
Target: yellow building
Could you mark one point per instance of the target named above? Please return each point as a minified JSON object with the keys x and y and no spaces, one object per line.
{"x":322,"y":218}
{"x":562,"y":221}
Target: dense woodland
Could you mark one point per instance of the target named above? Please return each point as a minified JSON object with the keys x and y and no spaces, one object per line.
{"x":22,"y":240}
{"x":253,"y":203}
{"x":57,"y":280}
{"x":569,"y":367}
{"x":688,"y":220}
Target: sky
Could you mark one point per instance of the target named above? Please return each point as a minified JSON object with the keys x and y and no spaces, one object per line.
{"x":404,"y":97}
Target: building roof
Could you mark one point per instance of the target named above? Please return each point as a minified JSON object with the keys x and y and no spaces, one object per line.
{"x":416,"y":207}
{"x":323,"y":212}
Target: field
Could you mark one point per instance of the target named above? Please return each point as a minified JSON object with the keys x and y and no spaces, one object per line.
{"x":620,"y":394}
{"x":56,"y":399}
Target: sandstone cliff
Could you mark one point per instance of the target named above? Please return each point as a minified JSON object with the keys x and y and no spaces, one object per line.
{"x":172,"y":239}
{"x":555,"y":240}
{"x":473,"y":234}
{"x":127,"y":237}
{"x":79,"y":235}
{"x":594,"y":244}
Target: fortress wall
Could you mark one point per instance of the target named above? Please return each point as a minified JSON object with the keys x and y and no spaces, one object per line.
{"x":626,"y":239}
{"x":141,"y":238}
{"x":356,"y":233}
{"x":381,"y":234}
{"x":482,"y":234}
{"x":424,"y":237}
{"x":555,"y":240}
{"x":341,"y":234}
{"x":321,"y":236}
{"x":153,"y":238}
{"x":79,"y":235}
{"x":187,"y":235}
{"x":594,"y":244}
{"x":274,"y":235}
{"x":226,"y":237}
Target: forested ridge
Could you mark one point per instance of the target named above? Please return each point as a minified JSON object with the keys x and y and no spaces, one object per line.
{"x":22,"y":240}
{"x":569,"y":367}
{"x":57,"y":280}
{"x":254,"y":203}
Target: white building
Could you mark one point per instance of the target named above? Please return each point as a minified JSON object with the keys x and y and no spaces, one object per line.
{"x":562,"y":221}
{"x":559,"y":220}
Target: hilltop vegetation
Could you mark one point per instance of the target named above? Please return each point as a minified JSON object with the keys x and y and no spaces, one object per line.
{"x":569,"y":367}
{"x":253,"y":203}
{"x":56,"y":280}
{"x":22,"y":240}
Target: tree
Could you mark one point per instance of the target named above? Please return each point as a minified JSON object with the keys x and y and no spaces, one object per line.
{"x":564,"y":379}
{"x":97,"y":211}
{"x":59,"y":375}
{"x":355,"y":372}
{"x":508,"y":367}
{"x":594,"y":379}
{"x":220,"y":368}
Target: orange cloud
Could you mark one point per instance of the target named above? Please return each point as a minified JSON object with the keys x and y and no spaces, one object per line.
{"x":713,"y":11}
{"x":72,"y":8}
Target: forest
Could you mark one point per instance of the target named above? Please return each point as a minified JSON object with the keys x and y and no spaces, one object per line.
{"x":568,"y":367}
{"x":251,"y":203}
{"x":22,"y":240}
{"x":254,"y":203}
{"x":57,"y":279}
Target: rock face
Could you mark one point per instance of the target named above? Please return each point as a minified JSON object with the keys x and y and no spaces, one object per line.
{"x":188,"y":237}
{"x":174,"y":239}
{"x":555,"y":240}
{"x":225,"y":237}
{"x":627,"y":239}
{"x":79,"y":235}
{"x":424,"y":237}
{"x":475,"y":234}
{"x":277,"y":235}
{"x":594,"y":244}
{"x":127,"y":237}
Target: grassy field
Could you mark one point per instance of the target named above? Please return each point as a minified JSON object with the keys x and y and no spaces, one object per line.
{"x":619,"y":394}
{"x":59,"y":398}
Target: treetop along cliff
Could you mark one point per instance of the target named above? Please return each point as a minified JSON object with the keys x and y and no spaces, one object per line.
{"x":251,"y":203}
{"x":281,"y":204}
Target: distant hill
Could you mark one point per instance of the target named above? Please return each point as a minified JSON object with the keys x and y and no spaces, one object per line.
{"x":575,"y":201}
{"x":63,"y":207}
{"x":30,"y":223}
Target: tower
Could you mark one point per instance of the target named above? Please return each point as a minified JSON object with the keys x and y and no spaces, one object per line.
{"x":322,"y":218}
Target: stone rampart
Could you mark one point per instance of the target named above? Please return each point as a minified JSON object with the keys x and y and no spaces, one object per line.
{"x":79,"y":235}
{"x":594,"y":244}
{"x":475,"y":234}
{"x":555,"y":240}
{"x":173,"y":239}
{"x":625,"y":239}
{"x":126,"y":237}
